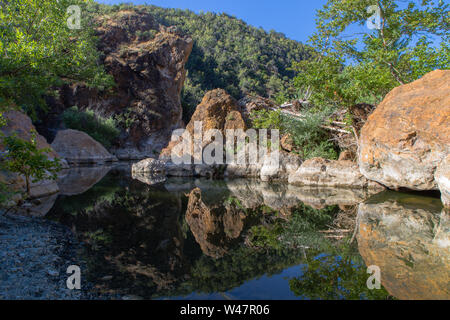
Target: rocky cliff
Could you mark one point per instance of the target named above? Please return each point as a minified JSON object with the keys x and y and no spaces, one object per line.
{"x":149,"y":75}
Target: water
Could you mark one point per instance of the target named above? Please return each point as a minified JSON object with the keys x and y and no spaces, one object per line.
{"x":243,"y":239}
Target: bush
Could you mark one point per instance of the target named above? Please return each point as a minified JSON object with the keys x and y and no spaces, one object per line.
{"x":310,"y":140}
{"x":103,"y":130}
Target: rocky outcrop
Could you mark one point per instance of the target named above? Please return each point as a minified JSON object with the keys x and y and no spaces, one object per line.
{"x":442,"y":177}
{"x":79,"y":148}
{"x":217,"y":111}
{"x":408,"y":135}
{"x":408,"y":238}
{"x":20,"y":124}
{"x":149,"y":74}
{"x":330,"y":173}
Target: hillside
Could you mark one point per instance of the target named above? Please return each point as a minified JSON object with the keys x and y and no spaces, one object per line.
{"x":227,"y":53}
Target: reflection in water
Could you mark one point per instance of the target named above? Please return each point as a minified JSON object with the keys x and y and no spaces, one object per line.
{"x":217,"y":239}
{"x":408,"y":237}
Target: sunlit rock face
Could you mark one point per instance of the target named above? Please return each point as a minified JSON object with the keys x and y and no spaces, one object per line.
{"x":408,"y":135}
{"x":408,"y":237}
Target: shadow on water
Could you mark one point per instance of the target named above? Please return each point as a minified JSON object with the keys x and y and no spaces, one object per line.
{"x":244,"y":239}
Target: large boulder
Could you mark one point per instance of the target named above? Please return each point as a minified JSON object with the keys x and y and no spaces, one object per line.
{"x":79,"y":148}
{"x":20,"y":124}
{"x":330,"y":173}
{"x":408,"y":135}
{"x":219,"y":111}
{"x":149,"y":73}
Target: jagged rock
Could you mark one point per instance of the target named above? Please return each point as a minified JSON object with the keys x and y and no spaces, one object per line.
{"x":79,"y":148}
{"x":408,"y":135}
{"x":149,"y":75}
{"x":408,"y":238}
{"x":330,"y":173}
{"x":442,"y":177}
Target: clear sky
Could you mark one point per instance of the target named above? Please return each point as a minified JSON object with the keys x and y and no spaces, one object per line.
{"x":294,"y":18}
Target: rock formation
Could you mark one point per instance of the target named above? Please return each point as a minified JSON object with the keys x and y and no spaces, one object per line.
{"x":79,"y":148}
{"x":149,"y":76}
{"x":330,"y":173}
{"x":408,"y":135}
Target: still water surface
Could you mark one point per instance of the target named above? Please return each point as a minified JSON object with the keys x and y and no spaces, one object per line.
{"x":243,"y":239}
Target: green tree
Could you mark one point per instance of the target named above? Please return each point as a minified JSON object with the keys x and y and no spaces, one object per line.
{"x":352,"y":67}
{"x":24,"y":157}
{"x":38,"y":50}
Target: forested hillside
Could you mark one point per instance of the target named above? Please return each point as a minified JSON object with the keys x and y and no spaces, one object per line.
{"x":228,"y":54}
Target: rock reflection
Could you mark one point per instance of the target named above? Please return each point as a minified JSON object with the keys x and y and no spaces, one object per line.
{"x":80,"y":179}
{"x":408,"y":237}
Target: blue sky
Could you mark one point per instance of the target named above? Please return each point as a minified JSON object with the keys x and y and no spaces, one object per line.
{"x":294,"y":18}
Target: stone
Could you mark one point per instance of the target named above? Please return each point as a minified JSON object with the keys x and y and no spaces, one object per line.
{"x":331,"y":173}
{"x":79,"y":148}
{"x":249,"y":104}
{"x":408,"y":135}
{"x":408,"y":238}
{"x":149,"y":166}
{"x":442,"y":178}
{"x":219,"y":111}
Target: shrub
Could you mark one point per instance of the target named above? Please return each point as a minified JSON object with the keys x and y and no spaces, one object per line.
{"x":310,"y":139}
{"x":103,"y":130}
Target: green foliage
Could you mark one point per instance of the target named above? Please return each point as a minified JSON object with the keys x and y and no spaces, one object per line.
{"x":24,"y":157}
{"x":352,"y":68}
{"x":103,"y":130}
{"x":38,"y":50}
{"x":333,"y":277}
{"x":268,"y":119}
{"x":310,"y":139}
{"x":228,"y":54}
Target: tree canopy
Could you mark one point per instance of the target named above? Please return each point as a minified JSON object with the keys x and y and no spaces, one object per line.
{"x":358,"y":64}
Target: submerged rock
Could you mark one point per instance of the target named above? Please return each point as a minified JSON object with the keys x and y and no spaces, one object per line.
{"x":78,"y":180}
{"x":408,"y":238}
{"x":408,"y":135}
{"x":79,"y":148}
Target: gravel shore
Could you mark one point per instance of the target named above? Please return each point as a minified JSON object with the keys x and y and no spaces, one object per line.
{"x":34,"y":256}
